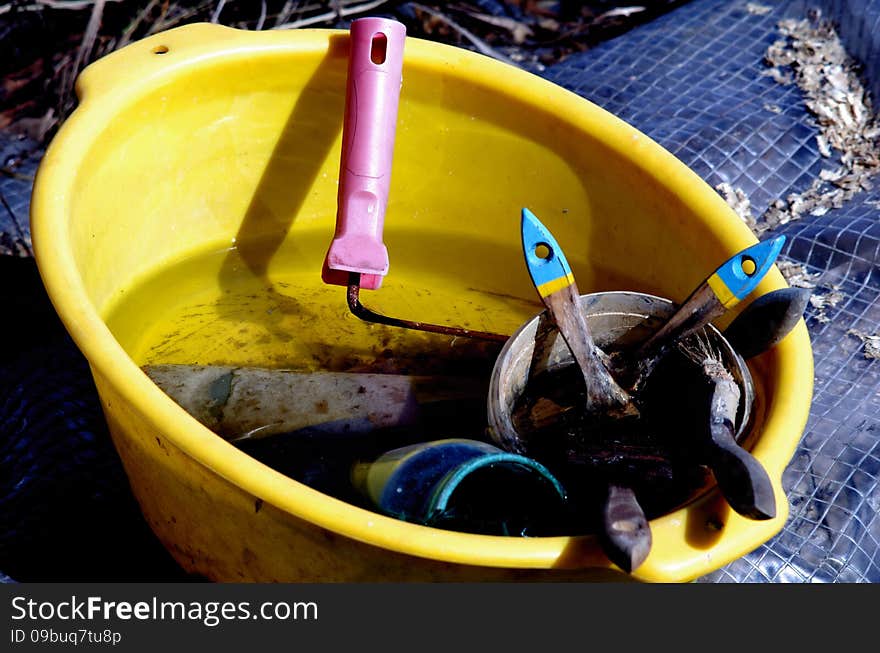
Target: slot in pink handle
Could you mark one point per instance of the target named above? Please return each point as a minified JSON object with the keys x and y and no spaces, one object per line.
{"x":374,"y":77}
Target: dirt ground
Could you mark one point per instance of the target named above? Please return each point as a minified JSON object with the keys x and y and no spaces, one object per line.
{"x":44,"y":44}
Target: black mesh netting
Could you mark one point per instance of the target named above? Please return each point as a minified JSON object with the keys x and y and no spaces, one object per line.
{"x":692,"y":80}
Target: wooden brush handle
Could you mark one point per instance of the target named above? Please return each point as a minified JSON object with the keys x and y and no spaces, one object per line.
{"x":741,"y":478}
{"x":603,"y":392}
{"x":626,"y":534}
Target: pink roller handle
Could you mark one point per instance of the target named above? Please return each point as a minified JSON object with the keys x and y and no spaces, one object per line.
{"x":374,"y":76}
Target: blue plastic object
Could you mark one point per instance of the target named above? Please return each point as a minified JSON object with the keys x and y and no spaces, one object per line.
{"x":465,"y":485}
{"x":549,"y":270}
{"x":741,"y":273}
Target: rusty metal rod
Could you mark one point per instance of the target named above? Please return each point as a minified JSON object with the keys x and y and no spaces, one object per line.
{"x":364,"y":313}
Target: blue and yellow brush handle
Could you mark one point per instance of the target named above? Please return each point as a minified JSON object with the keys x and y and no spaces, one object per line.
{"x":555,"y":284}
{"x":549,"y":269}
{"x":725,"y":288}
{"x":740,"y":274}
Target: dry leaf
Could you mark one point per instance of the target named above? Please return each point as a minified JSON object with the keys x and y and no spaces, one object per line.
{"x":847,"y":123}
{"x":758,"y":10}
{"x":871,"y":342}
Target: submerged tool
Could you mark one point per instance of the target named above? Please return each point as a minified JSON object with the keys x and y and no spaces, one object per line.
{"x":364,"y":313}
{"x":357,"y":257}
{"x":734,"y":279}
{"x":626,"y":534}
{"x":466,"y":485}
{"x":250,"y":403}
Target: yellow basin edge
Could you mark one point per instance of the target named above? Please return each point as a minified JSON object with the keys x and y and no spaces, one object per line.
{"x":136,"y":71}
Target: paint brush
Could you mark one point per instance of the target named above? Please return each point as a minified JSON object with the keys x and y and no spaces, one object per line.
{"x":554,"y":281}
{"x":741,"y":478}
{"x":626,"y":533}
{"x":731,"y":282}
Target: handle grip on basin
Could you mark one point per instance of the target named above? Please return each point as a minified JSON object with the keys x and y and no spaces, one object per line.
{"x":374,"y":77}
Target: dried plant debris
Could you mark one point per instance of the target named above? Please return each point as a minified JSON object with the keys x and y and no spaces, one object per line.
{"x":739,"y":202}
{"x":758,"y":9}
{"x":796,"y":274}
{"x":822,"y":302}
{"x":828,"y":77}
{"x":44,"y":44}
{"x":871,"y":342}
{"x":825,"y":295}
{"x":14,"y":246}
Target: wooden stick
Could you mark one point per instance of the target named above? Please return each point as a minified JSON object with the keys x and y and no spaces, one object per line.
{"x":242,"y":403}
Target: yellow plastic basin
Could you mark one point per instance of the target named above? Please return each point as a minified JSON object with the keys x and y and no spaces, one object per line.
{"x":205,"y":138}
